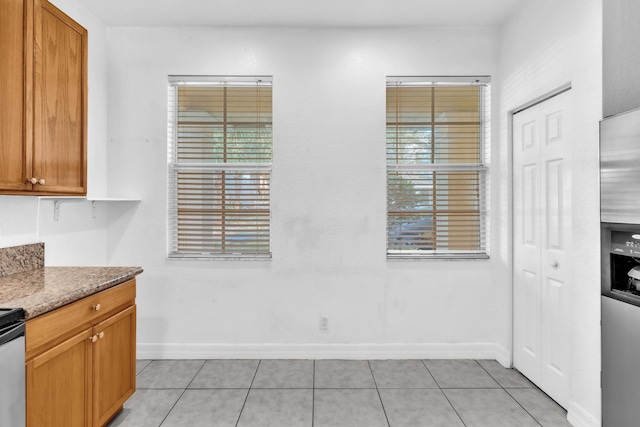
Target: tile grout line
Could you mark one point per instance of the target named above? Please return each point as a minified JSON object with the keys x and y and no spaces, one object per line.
{"x":143,"y":369}
{"x":508,"y":394}
{"x":432,"y":376}
{"x":378,"y":391}
{"x":248,"y":391}
{"x":181,"y":394}
{"x":444,"y":394}
{"x":313,"y":394}
{"x":237,"y":388}
{"x":523,"y":408}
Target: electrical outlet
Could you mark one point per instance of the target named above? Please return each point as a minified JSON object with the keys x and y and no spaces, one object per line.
{"x":324,"y":323}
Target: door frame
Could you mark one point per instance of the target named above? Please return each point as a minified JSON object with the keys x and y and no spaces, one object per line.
{"x":510,"y":113}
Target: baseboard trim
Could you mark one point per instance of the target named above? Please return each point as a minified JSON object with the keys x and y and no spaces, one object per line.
{"x":322,"y":351}
{"x":503,"y":356}
{"x":577,"y":416}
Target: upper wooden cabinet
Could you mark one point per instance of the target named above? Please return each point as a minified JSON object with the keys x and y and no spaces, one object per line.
{"x":43,"y":88}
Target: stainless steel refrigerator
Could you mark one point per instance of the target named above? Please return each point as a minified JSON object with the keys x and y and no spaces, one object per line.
{"x":620,"y":273}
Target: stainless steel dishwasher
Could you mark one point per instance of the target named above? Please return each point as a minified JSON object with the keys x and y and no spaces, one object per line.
{"x":12,"y":386}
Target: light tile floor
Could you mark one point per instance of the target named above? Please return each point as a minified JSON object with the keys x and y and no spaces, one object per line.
{"x":335,"y":393}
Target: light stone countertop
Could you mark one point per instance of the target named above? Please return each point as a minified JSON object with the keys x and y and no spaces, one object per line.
{"x":44,"y":289}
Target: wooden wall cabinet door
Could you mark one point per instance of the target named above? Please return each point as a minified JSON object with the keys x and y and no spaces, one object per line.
{"x":43,"y":81}
{"x":16,"y":84}
{"x":114,"y":364}
{"x":59,"y":384}
{"x":60,"y":97}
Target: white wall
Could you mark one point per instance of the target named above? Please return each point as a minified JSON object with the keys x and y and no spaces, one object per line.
{"x":621,"y":47}
{"x":545,"y":45}
{"x":328,"y":198}
{"x":77,"y":238}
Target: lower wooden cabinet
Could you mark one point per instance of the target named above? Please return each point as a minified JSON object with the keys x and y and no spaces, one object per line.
{"x":83,"y":377}
{"x":59,"y":384}
{"x":114,"y":364}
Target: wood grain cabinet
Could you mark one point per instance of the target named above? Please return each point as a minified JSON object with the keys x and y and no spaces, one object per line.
{"x":43,"y":88}
{"x":80,"y":360}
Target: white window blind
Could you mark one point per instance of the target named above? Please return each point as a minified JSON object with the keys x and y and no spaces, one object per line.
{"x":220,"y":154}
{"x":437,"y":143}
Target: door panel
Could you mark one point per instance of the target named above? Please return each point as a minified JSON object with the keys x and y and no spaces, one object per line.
{"x":554,"y":204}
{"x":556,"y":304}
{"x":554,"y":127}
{"x":532,"y":304}
{"x":114,"y":364}
{"x":542,"y":229}
{"x":59,"y":385}
{"x":15,"y":76}
{"x":529,"y":204}
{"x":529,"y":140}
{"x":527,"y":132}
{"x":556,"y":338}
{"x":60,"y":99}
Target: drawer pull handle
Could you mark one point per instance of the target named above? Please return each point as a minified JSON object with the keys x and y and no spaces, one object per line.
{"x":96,"y":307}
{"x":101,"y":335}
{"x":33,"y":180}
{"x":93,"y":338}
{"x":41,"y":181}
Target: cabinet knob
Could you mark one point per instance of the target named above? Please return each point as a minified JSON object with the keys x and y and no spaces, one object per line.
{"x":33,"y":180}
{"x":96,"y":307}
{"x":41,"y":181}
{"x":93,"y":338}
{"x":101,"y":335}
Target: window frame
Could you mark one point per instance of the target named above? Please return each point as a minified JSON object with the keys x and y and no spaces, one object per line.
{"x":176,"y":166}
{"x":481,"y":167}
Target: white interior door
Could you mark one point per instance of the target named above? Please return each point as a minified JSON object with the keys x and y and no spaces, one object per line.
{"x":542,"y":236}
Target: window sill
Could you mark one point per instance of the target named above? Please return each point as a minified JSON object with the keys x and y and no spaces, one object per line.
{"x":410,"y":258}
{"x":210,"y":257}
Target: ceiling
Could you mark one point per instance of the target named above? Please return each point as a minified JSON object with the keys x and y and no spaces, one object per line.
{"x":302,"y":13}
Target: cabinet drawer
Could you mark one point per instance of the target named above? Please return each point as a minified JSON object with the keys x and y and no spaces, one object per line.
{"x":52,"y":328}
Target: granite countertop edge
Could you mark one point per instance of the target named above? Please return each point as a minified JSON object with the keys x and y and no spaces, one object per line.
{"x":53,"y":288}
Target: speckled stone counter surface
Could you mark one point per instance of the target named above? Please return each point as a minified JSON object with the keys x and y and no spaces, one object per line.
{"x":44,"y":289}
{"x":17,"y":259}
